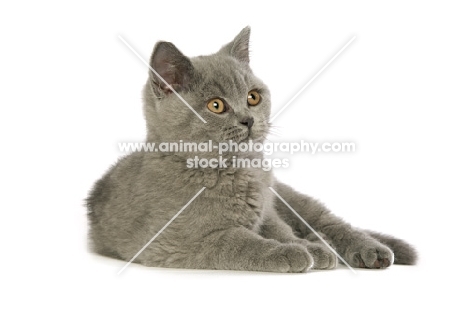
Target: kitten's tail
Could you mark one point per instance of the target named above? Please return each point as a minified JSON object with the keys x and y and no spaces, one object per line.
{"x":405,"y":254}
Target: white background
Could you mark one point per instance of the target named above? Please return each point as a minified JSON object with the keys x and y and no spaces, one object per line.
{"x":70,"y":91}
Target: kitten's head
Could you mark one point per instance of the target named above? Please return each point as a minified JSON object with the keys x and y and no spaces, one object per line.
{"x":221,"y":88}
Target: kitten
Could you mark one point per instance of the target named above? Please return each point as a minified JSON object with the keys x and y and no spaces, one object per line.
{"x":237,"y":222}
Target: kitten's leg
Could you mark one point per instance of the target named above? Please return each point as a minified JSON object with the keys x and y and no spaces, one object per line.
{"x":357,"y":247}
{"x":234,"y":249}
{"x":274,"y":227}
{"x":242,"y":249}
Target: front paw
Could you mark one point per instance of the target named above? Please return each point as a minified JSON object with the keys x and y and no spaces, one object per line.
{"x":324,"y":258}
{"x":372,"y":255}
{"x":289,"y":258}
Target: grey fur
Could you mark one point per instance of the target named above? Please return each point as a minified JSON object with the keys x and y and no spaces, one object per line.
{"x":236,"y":223}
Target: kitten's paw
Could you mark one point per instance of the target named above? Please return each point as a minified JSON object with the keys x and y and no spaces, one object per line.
{"x":373,"y":256}
{"x":323,"y":257}
{"x":290,"y":258}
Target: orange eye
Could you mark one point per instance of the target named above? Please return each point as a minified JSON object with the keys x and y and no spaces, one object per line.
{"x":216,"y":105}
{"x":253,"y":98}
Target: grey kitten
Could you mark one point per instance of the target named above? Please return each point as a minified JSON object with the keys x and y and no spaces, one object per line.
{"x":237,"y":222}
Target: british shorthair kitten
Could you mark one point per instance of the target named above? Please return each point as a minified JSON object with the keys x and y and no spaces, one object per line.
{"x":236,"y":222}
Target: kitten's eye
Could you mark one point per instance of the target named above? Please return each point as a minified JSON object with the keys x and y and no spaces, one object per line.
{"x":253,"y":98}
{"x":216,"y":105}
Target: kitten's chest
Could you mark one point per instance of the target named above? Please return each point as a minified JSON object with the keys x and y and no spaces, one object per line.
{"x":242,"y":195}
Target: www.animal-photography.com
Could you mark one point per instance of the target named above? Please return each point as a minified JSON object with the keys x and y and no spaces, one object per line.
{"x":251,"y":155}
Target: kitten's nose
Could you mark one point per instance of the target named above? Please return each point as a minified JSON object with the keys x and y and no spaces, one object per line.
{"x":247,"y":121}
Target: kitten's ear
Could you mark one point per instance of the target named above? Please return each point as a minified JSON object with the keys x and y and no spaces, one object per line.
{"x":172,"y":66}
{"x":239,"y":47}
